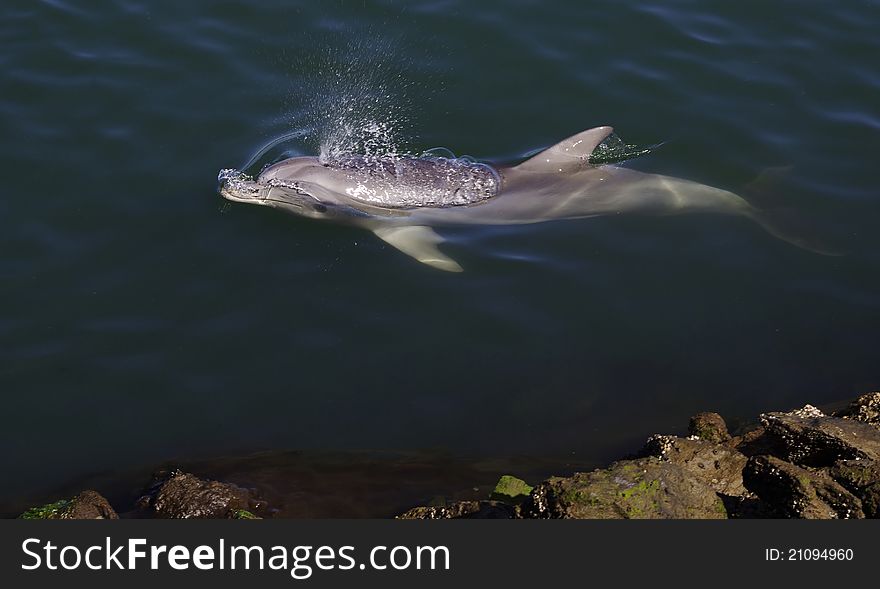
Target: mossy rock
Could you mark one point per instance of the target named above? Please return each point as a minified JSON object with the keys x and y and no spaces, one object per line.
{"x":709,"y":427}
{"x":86,"y":505}
{"x":242,"y":514}
{"x":511,"y":490}
{"x":646,"y":488}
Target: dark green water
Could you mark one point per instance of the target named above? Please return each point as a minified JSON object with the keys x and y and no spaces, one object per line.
{"x":142,"y":319}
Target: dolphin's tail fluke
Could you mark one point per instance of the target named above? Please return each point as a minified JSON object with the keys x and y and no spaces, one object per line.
{"x":782,"y":220}
{"x":790,"y":225}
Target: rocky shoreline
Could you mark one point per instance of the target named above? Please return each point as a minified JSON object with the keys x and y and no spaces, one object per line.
{"x":796,"y":464}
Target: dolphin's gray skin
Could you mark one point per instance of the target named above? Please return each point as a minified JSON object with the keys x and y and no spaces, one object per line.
{"x":557,"y":183}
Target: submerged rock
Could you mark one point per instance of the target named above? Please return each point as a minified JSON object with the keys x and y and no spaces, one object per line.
{"x":86,"y":505}
{"x":821,"y":441}
{"x":185,"y":496}
{"x":464,"y":510}
{"x":646,"y":488}
{"x":720,"y":467}
{"x":797,"y":492}
{"x":511,"y":490}
{"x":710,"y":427}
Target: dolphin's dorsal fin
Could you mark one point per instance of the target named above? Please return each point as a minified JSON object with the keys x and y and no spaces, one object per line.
{"x":420,"y":242}
{"x":568,"y":155}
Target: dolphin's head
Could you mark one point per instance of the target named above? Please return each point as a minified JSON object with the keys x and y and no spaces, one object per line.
{"x":298,"y":185}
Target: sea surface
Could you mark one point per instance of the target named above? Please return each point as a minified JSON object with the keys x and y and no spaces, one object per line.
{"x":144,"y":319}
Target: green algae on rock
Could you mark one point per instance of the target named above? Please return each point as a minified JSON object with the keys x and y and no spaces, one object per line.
{"x":511,"y":490}
{"x":646,"y":488}
{"x":48,"y":511}
{"x":86,"y":505}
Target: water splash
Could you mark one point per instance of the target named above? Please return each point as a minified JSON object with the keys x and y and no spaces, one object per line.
{"x":238,"y":182}
{"x":358,"y":99}
{"x":613,"y":150}
{"x":356,"y":103}
{"x":359,"y":104}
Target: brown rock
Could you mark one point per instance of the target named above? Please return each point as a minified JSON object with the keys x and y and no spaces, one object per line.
{"x":710,"y":427}
{"x":89,"y":505}
{"x":86,"y":505}
{"x":821,"y":441}
{"x":797,"y":492}
{"x":862,"y":477}
{"x":718,"y":466}
{"x":755,"y":442}
{"x":870,"y":497}
{"x":866,"y":409}
{"x":747,"y":506}
{"x":806,"y":411}
{"x":463,"y":510}
{"x":185,"y":496}
{"x":646,"y":488}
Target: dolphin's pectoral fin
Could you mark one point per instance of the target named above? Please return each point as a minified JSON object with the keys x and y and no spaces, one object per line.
{"x":568,"y":155}
{"x":420,"y":242}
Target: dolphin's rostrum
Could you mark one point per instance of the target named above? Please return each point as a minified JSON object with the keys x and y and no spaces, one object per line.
{"x":403,"y":199}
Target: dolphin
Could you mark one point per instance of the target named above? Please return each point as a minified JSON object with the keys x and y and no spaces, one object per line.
{"x":402,"y":200}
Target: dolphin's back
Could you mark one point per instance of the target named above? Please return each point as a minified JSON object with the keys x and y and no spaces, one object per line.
{"x":414,"y":182}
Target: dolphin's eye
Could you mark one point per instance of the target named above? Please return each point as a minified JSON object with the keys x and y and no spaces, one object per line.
{"x":319,"y":207}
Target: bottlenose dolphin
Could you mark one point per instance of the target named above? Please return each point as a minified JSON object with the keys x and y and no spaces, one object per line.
{"x":402,"y":199}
